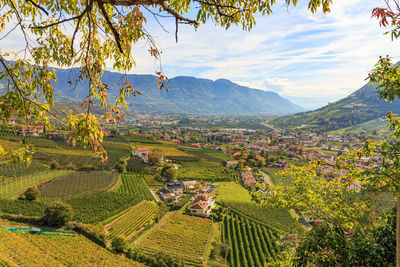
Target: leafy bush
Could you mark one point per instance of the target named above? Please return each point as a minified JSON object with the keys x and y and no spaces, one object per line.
{"x":119,"y":245}
{"x":32,"y":193}
{"x":58,"y":214}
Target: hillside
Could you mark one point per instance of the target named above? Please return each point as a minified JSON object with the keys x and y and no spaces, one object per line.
{"x":186,"y":95}
{"x":359,"y":107}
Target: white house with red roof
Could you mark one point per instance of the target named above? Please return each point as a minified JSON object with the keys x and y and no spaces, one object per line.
{"x":143,"y":152}
{"x":202,"y":205}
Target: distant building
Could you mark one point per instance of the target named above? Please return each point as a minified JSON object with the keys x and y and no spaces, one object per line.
{"x":143,"y":153}
{"x":195,"y":145}
{"x":11,"y":121}
{"x":31,"y":131}
{"x":202,"y":205}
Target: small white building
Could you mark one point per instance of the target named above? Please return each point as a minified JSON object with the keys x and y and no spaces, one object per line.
{"x":175,"y":187}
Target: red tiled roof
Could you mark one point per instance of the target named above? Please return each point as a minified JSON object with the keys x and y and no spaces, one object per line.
{"x":142,"y":149}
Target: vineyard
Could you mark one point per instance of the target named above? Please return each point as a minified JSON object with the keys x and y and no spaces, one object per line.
{"x":206,"y":171}
{"x":33,"y":250}
{"x":201,"y":154}
{"x":118,"y":146}
{"x":97,"y":206}
{"x":129,"y":222}
{"x":135,"y":164}
{"x":21,"y":169}
{"x":180,"y":235}
{"x":77,"y":183}
{"x":26,"y":208}
{"x":12,"y":187}
{"x":276,"y":217}
{"x":134,"y":185}
{"x":250,"y":244}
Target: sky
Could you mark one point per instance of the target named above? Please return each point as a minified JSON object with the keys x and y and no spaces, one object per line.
{"x":309,"y":59}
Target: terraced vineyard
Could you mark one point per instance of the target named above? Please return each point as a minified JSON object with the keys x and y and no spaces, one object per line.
{"x":134,"y":185}
{"x":33,"y":250}
{"x":180,"y":235}
{"x":251,"y":244}
{"x":135,"y":164}
{"x":22,"y":169}
{"x":77,"y":183}
{"x":12,"y":187}
{"x":129,"y":222}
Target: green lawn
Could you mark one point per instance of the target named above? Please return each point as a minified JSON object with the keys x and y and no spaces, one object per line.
{"x":231,"y":191}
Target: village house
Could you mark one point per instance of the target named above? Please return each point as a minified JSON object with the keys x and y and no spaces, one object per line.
{"x":175,"y":188}
{"x":31,"y":131}
{"x":11,"y":121}
{"x":202,"y":205}
{"x":248,"y":179}
{"x":143,"y":153}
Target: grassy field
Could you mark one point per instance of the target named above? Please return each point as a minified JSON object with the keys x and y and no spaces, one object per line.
{"x":69,"y":152}
{"x":181,"y":235}
{"x":204,"y":170}
{"x":34,"y":250}
{"x":231,"y":191}
{"x":129,"y":222}
{"x":167,"y":149}
{"x":76,"y":183}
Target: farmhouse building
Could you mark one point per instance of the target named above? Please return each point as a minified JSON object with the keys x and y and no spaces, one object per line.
{"x":202,"y":205}
{"x":143,"y":153}
{"x":175,"y":187}
{"x":32,"y":131}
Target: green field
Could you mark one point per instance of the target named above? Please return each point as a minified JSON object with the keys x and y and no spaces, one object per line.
{"x":205,"y":170}
{"x":231,"y":191}
{"x":77,"y":183}
{"x":180,"y":235}
{"x":129,"y":222}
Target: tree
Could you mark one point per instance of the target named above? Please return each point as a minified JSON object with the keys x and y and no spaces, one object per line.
{"x":32,"y":193}
{"x":58,"y":214}
{"x":156,"y":156}
{"x":88,"y":34}
{"x":319,"y":197}
{"x":119,"y":244}
{"x":169,"y":172}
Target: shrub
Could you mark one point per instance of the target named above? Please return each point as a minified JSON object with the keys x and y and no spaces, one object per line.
{"x":119,"y":245}
{"x":70,"y":166}
{"x":58,"y":214}
{"x":32,"y":193}
{"x":54,"y":165}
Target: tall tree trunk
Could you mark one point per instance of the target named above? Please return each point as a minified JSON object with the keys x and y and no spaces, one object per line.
{"x":398,"y":234}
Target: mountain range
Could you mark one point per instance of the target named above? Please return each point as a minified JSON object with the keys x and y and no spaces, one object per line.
{"x":186,"y":94}
{"x":359,"y":107}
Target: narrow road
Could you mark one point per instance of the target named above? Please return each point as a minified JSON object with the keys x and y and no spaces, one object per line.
{"x":267,"y":179}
